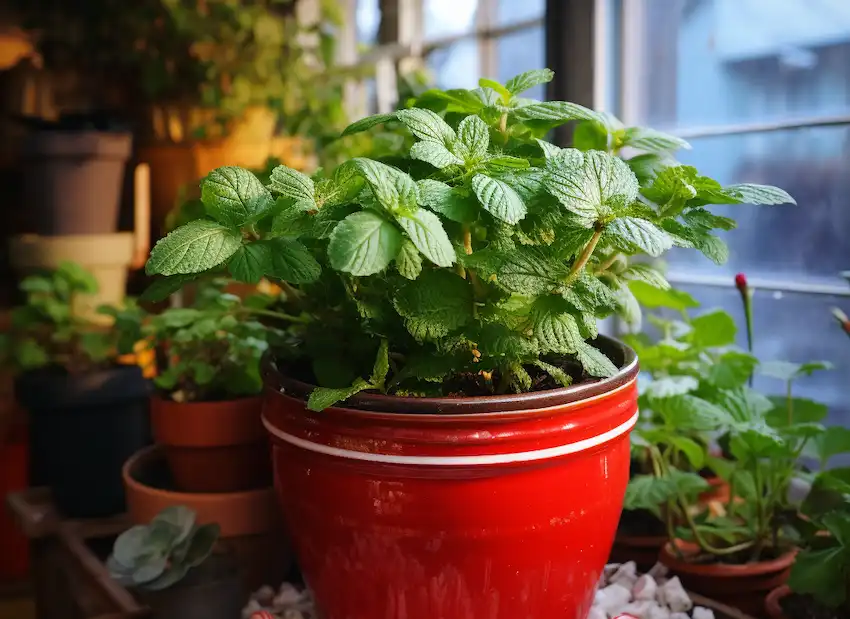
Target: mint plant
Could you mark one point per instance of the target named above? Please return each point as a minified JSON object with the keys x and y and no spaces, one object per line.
{"x":49,"y":331}
{"x":483,"y":258}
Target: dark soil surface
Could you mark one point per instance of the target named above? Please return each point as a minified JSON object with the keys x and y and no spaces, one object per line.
{"x":739,"y":558}
{"x":640,"y":523}
{"x":804,"y":607}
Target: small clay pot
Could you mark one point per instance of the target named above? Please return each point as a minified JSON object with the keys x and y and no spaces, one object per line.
{"x":741,"y":586}
{"x":213,"y":446}
{"x":718,"y":490}
{"x":642,"y":549}
{"x":773,"y":606}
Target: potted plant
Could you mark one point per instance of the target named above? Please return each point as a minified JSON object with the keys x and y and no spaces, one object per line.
{"x":168,"y":566}
{"x":449,"y":306}
{"x":87,"y":414}
{"x":688,"y":374}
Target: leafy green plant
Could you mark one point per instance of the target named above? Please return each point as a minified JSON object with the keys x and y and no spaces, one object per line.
{"x":50,"y":330}
{"x":212,"y":350}
{"x":159,"y":555}
{"x":483,"y":259}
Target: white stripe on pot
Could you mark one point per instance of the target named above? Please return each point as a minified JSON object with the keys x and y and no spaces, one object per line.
{"x":523,"y":456}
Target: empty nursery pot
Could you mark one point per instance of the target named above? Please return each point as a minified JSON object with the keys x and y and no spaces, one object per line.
{"x":213,"y":446}
{"x":83,"y":427}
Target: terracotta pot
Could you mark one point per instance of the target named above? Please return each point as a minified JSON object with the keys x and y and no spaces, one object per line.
{"x":14,"y":476}
{"x":481,"y":508}
{"x":772,"y":604}
{"x":250,"y":521}
{"x":719,"y":490}
{"x":213,"y":446}
{"x":741,"y":586}
{"x":642,"y":549}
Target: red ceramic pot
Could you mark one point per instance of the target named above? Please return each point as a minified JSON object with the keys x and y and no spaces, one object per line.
{"x":773,"y":603}
{"x":455,"y":508}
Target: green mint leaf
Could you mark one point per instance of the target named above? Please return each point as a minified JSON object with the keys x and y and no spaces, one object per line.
{"x":449,"y":202}
{"x":367,"y":123}
{"x":592,"y":185}
{"x":524,"y":81}
{"x":382,"y":366}
{"x":594,"y":361}
{"x":296,"y":185}
{"x":250,"y":263}
{"x":653,"y":141}
{"x":821,"y":574}
{"x":408,"y":262}
{"x":164,"y":287}
{"x":435,"y":304}
{"x":647,"y":274}
{"x":324,"y":397}
{"x":291,"y":221}
{"x":704,"y":220}
{"x":633,"y":235}
{"x":30,"y":355}
{"x":196,"y":247}
{"x":457,"y":100}
{"x":498,"y":88}
{"x":363,"y":243}
{"x":234,"y":196}
{"x":549,"y":149}
{"x":426,"y":231}
{"x":506,"y":162}
{"x":786,"y":371}
{"x":499,"y":199}
{"x":628,"y":307}
{"x":590,"y":135}
{"x":434,"y":153}
{"x":595,"y":293}
{"x":291,"y":261}
{"x":474,"y":134}
{"x":649,"y":165}
{"x":391,"y":187}
{"x":560,"y":376}
{"x":732,"y":370}
{"x":555,"y":328}
{"x":748,"y":193}
{"x":529,"y":271}
{"x":553,"y":113}
{"x":652,"y":297}
{"x":670,"y":386}
{"x":427,"y":125}
{"x":713,"y":247}
{"x":496,"y":340}
{"x":713,"y":329}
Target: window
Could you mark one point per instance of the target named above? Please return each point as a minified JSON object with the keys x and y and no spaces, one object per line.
{"x":763,"y":95}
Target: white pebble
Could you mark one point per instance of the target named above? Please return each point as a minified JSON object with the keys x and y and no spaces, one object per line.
{"x":658,"y":612}
{"x":640,"y":609}
{"x":700,"y":612}
{"x":658,"y":571}
{"x":287,"y":596}
{"x":680,"y":616}
{"x":610,"y":569}
{"x":596,"y":613}
{"x":673,"y":595}
{"x":250,"y":608}
{"x":293,"y":614}
{"x":626,"y":575}
{"x":264,"y":595}
{"x":612,"y":598}
{"x":644,"y":588}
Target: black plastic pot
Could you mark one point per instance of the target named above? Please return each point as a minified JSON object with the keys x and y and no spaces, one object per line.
{"x":83,"y":427}
{"x":212,"y":590}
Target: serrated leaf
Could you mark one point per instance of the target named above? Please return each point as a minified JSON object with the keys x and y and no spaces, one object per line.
{"x":652,"y":297}
{"x":496,"y":340}
{"x":234,"y":196}
{"x":555,"y":328}
{"x":196,"y":247}
{"x":435,"y":304}
{"x":649,"y":165}
{"x":474,"y":134}
{"x":325,"y":397}
{"x":595,"y":293}
{"x":653,"y":141}
{"x":821,"y":574}
{"x":594,"y":361}
{"x":499,"y":199}
{"x":363,"y":243}
{"x":427,"y":125}
{"x":688,"y":412}
{"x":529,"y":271}
{"x":367,"y":123}
{"x":693,"y":451}
{"x":549,"y":149}
{"x":408,"y":261}
{"x":787,"y":371}
{"x":449,"y":202}
{"x":428,"y":235}
{"x":434,"y":153}
{"x":629,"y":309}
{"x":705,"y":220}
{"x":646,"y":274}
{"x":713,"y":329}
{"x":250,"y":263}
{"x":635,"y":234}
{"x":732,"y":369}
{"x":748,"y":193}
{"x":507,"y":162}
{"x":292,"y":262}
{"x":381,"y":367}
{"x":670,"y":386}
{"x":592,"y":185}
{"x":524,"y":81}
{"x":560,"y":376}
{"x":391,"y":187}
{"x":296,"y":185}
{"x":164,"y":287}
{"x":503,"y":92}
{"x":554,"y":113}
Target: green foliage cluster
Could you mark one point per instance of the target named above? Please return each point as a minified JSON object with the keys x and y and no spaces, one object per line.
{"x":48,"y":329}
{"x":699,"y":393}
{"x":483,"y":259}
{"x":159,"y":555}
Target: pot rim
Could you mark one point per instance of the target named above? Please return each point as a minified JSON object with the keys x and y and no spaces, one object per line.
{"x":477,"y":406}
{"x":771,"y":602}
{"x":722,"y":570}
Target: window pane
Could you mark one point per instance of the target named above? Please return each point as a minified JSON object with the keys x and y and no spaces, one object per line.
{"x":456,"y":66}
{"x":520,"y":52}
{"x":511,"y":11}
{"x":804,"y":241}
{"x":776,"y":324}
{"x":727,"y":61}
{"x":368,"y":18}
{"x":447,"y":17}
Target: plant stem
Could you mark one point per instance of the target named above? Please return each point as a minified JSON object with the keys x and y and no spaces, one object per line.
{"x":467,"y":239}
{"x":607,"y":264}
{"x":586,"y":253}
{"x":279,"y":315}
{"x":790,"y":403}
{"x":503,"y":125}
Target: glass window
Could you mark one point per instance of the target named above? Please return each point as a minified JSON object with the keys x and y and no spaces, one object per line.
{"x":449,"y":17}
{"x":368,"y":17}
{"x":707,"y":62}
{"x":512,"y":11}
{"x":522,"y":51}
{"x":457,"y":65}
